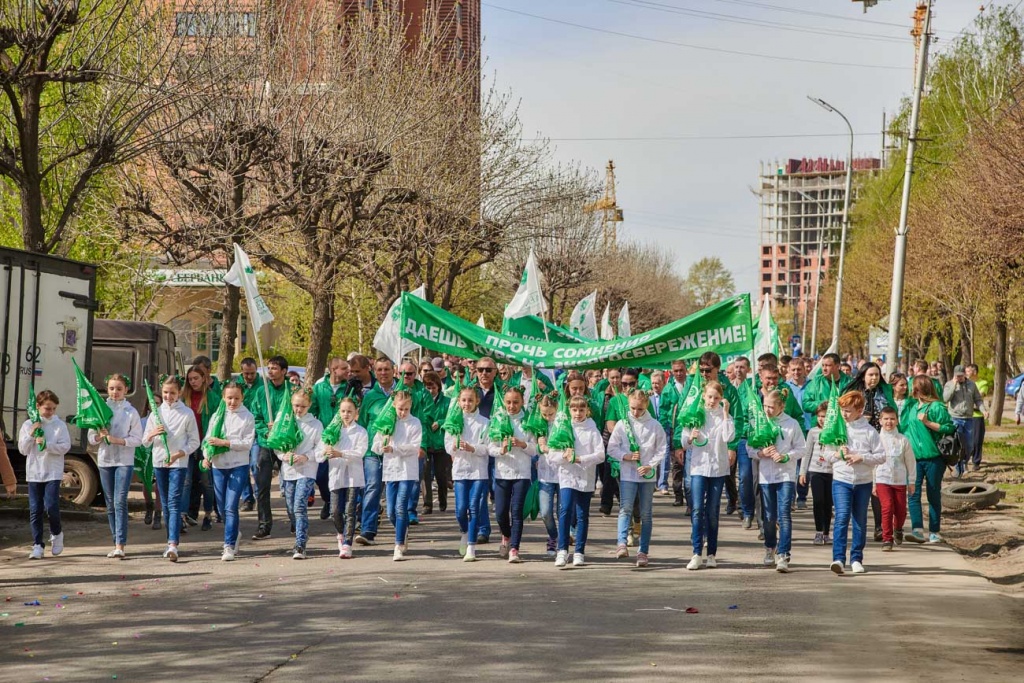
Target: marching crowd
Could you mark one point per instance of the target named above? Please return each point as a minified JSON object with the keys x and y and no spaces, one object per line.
{"x":532,"y":444}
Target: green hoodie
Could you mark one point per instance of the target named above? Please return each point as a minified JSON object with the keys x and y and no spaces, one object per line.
{"x":923,"y":440}
{"x":818,"y":390}
{"x":260,"y":405}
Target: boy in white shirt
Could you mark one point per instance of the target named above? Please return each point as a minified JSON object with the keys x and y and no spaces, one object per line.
{"x":892,"y":479}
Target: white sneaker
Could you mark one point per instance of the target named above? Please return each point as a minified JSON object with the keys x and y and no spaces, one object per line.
{"x":561,"y":558}
{"x":782,"y":564}
{"x":229,"y":554}
{"x":118,"y":554}
{"x":57,"y":544}
{"x":769,"y":557}
{"x":399,"y":554}
{"x":112,"y":554}
{"x":470,"y":555}
{"x":37,"y":553}
{"x":578,"y":560}
{"x":299,"y":554}
{"x":346,"y":552}
{"x":463,"y":544}
{"x":171,"y":553}
{"x":513,"y":556}
{"x":836,"y":568}
{"x":712,"y":562}
{"x":857,"y":568}
{"x":694,"y":564}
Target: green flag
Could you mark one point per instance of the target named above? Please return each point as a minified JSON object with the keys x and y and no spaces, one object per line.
{"x":215,"y":431}
{"x":285,"y":435}
{"x":691,"y":413}
{"x":92,"y":411}
{"x":33,"y":415}
{"x":501,"y":424}
{"x":833,"y":430}
{"x":386,"y":419}
{"x":561,"y":436}
{"x":144,"y":466}
{"x":454,"y":421}
{"x":154,"y":416}
{"x":332,"y":432}
{"x":763,"y":431}
{"x":533,"y":327}
{"x":534,"y":423}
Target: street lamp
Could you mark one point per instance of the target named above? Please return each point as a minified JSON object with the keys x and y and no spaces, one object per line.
{"x":846,"y":219}
{"x":823,"y":209}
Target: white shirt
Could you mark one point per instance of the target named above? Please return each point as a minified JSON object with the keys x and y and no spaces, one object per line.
{"x":310,"y":447}
{"x":182,"y":435}
{"x":547,"y":473}
{"x":346,"y":472}
{"x":517,"y":463}
{"x":813,"y":459}
{"x":862,"y":439}
{"x":47,"y":464}
{"x":711,"y":459}
{"x":899,"y":460}
{"x":125,"y":424}
{"x":790,"y":442}
{"x":240,"y":430}
{"x":402,"y":464}
{"x":650,"y":436}
{"x":580,"y":475}
{"x":468,"y":466}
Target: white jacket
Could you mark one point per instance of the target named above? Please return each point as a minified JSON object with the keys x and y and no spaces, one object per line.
{"x":650,"y":436}
{"x":402,"y":464}
{"x":346,"y":472}
{"x":48,"y":464}
{"x":125,"y":424}
{"x":240,"y":430}
{"x":579,"y":475}
{"x":547,"y":473}
{"x":813,"y":459}
{"x":862,"y":439}
{"x":310,"y":447}
{"x":468,"y":466}
{"x":899,"y":460}
{"x":711,"y":459}
{"x":790,"y":442}
{"x":182,"y":434}
{"x":516,"y":464}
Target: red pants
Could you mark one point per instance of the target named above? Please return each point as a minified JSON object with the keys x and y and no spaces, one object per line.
{"x":894,"y":508}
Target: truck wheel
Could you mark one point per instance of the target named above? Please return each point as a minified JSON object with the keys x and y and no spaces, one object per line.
{"x":80,"y":483}
{"x":970,"y":494}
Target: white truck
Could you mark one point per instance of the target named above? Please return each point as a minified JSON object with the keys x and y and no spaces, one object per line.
{"x":48,"y":306}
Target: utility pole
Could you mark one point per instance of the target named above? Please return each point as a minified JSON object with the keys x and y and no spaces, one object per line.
{"x":922,"y":31}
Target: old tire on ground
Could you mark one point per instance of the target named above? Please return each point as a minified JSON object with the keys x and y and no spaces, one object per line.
{"x":81,"y":483}
{"x":979,"y":494}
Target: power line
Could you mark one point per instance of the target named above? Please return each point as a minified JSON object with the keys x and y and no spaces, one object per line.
{"x":660,"y":41}
{"x":681,"y":138}
{"x":810,"y":13}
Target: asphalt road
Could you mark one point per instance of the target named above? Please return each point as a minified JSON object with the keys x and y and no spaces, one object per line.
{"x":919,"y":614}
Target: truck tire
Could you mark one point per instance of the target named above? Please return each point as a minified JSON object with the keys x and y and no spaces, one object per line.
{"x":81,"y":483}
{"x":970,"y":494}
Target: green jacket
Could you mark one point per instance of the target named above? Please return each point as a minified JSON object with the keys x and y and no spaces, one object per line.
{"x":736,"y":409}
{"x":325,"y":401}
{"x":670,"y":398}
{"x":250,"y":394}
{"x":436,"y":411}
{"x":923,"y":440}
{"x":817,"y":390}
{"x":260,"y":405}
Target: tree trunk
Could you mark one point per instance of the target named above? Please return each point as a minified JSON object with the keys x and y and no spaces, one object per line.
{"x":320,"y":332}
{"x":229,"y":332}
{"x":999,"y":381}
{"x":965,"y":343}
{"x":33,"y":233}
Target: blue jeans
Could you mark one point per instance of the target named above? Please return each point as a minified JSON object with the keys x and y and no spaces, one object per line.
{"x":249,"y":492}
{"x":509,"y":497}
{"x":965,"y":430}
{"x":229,"y":486}
{"x":414,"y":492}
{"x":398,"y":508}
{"x":468,"y":493}
{"x":704,"y":509}
{"x":746,"y":475}
{"x":802,"y":491}
{"x":323,"y":472}
{"x":629,"y":493}
{"x":484,"y":511}
{"x":929,"y":475}
{"x":546,"y":502}
{"x":666,"y":463}
{"x":296,"y":499}
{"x":851,"y":503}
{"x":572,"y":502}
{"x":371,"y":496}
{"x":778,"y":498}
{"x":43,"y":495}
{"x":115,"y":482}
{"x":170,"y":481}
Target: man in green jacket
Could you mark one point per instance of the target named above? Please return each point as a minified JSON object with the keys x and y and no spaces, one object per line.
{"x":252,"y":386}
{"x":326,"y":396}
{"x":373,"y":403}
{"x":277,"y":388}
{"x":820,"y":388}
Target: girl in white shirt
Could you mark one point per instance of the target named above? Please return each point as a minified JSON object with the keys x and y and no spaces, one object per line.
{"x":400,"y":466}
{"x":577,"y":475}
{"x":708,"y":466}
{"x":469,"y":470}
{"x":298,"y":471}
{"x":345,"y":474}
{"x":638,"y":470}
{"x":116,"y":459}
{"x":44,"y":470}
{"x":231,"y":469}
{"x":512,"y":472}
{"x":816,"y":471}
{"x":547,"y":476}
{"x":777,"y":476}
{"x":176,"y":436}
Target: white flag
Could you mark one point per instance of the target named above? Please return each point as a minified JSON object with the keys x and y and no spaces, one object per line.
{"x":583,"y":320}
{"x":242,"y":275}
{"x":388,"y":339}
{"x":625,"y":329}
{"x":607,"y":334}
{"x":529,"y":300}
{"x":766,"y":336}
{"x":481,"y":322}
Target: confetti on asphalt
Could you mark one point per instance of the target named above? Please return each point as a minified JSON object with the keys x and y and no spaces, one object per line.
{"x":63,"y":597}
{"x":397,"y":596}
{"x":260,"y":595}
{"x":383,"y":579}
{"x":81,"y":593}
{"x":692,"y":610}
{"x":734,"y":606}
{"x":19,"y":624}
{"x":136,"y":595}
{"x":34,"y":603}
{"x":59,"y":606}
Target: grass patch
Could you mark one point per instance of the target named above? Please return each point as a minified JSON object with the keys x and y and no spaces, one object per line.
{"x":1006,"y":450}
{"x":1014,"y":493}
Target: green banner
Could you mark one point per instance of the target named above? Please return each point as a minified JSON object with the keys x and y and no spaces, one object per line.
{"x":532,"y":327}
{"x":723,"y":328}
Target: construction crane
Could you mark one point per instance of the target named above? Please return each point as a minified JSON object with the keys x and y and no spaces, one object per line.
{"x":611,"y":214}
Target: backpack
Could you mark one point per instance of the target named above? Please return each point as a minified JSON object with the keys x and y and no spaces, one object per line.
{"x":951,"y":449}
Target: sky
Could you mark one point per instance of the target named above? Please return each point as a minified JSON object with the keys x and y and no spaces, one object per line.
{"x":591,"y":91}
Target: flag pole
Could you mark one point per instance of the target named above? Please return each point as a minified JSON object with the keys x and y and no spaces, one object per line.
{"x":259,"y":354}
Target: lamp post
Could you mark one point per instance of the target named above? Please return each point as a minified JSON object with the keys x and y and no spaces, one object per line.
{"x":846,"y":219}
